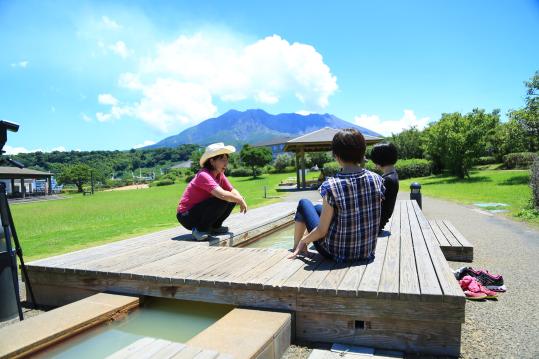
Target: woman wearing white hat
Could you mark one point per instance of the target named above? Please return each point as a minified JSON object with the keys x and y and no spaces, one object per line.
{"x":209,"y":198}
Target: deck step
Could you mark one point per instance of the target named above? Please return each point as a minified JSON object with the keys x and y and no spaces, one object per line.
{"x":246,"y":334}
{"x":36,"y":333}
{"x":452,"y":243}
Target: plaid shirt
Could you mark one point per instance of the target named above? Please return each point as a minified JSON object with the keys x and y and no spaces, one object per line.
{"x":356,"y":199}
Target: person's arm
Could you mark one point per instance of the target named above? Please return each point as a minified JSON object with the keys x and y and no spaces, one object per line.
{"x":230,"y":196}
{"x":319,"y":232}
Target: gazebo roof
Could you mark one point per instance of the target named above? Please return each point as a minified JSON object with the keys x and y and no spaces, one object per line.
{"x":17,"y":173}
{"x":320,"y":140}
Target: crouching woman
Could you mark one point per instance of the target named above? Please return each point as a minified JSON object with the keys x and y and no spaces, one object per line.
{"x":209,"y":198}
{"x":345,"y":227}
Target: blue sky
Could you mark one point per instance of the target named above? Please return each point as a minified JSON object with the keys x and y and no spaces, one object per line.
{"x":109,"y":75}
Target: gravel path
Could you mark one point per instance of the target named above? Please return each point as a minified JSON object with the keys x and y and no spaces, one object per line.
{"x":508,"y":327}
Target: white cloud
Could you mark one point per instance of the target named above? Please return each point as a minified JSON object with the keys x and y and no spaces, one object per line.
{"x":120,"y":49}
{"x":303,"y":112}
{"x":85,"y":117}
{"x":16,"y":150}
{"x":144,"y":144}
{"x":179,"y":85}
{"x":21,"y":64}
{"x":107,"y":99}
{"x":109,"y":23}
{"x":388,"y":127}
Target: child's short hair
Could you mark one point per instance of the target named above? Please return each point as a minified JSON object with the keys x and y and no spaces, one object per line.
{"x":384,"y":154}
{"x":349,"y":145}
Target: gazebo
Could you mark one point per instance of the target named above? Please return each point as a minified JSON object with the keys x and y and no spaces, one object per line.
{"x":316,"y":141}
{"x":14,"y":173}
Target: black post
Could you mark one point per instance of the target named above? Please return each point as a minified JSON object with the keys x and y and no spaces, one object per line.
{"x":415,"y":193}
{"x":7,"y":258}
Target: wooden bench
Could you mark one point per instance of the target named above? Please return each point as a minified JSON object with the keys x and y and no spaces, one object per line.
{"x":452,"y":243}
{"x":407,"y":299}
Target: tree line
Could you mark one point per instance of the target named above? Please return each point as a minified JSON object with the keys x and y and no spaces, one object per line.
{"x":458,"y":141}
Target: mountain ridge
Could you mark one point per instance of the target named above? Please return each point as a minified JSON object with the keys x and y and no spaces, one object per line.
{"x":254,"y":126}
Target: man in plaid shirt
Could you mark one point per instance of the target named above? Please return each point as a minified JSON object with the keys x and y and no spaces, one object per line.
{"x":345,"y":227}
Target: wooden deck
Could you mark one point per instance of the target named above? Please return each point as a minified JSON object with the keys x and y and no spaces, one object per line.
{"x":452,"y":243}
{"x":406,"y":299}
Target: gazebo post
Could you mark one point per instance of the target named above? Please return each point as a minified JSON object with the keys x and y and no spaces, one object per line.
{"x":23,"y":188}
{"x":49,"y":186}
{"x":297,"y":170}
{"x":302,"y":156}
{"x":12,"y":186}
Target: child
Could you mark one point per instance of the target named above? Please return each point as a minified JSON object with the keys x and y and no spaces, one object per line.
{"x":345,"y":227}
{"x":384,"y":156}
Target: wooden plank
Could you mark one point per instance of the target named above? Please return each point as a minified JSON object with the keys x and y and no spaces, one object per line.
{"x":117,"y":262}
{"x":312,"y":282}
{"x":426,"y":273}
{"x":409,"y":281}
{"x":263,"y":266}
{"x":282,"y":266}
{"x":207,"y":354}
{"x":330,"y":283}
{"x":410,"y":336}
{"x":368,"y":287}
{"x":459,"y":237}
{"x":440,"y":238}
{"x":241,"y":267}
{"x":450,"y":289}
{"x":294,"y":281}
{"x":350,"y":282}
{"x":166,"y":267}
{"x":221,"y":267}
{"x":390,"y":277}
{"x":218,"y":266}
{"x":447,"y":234}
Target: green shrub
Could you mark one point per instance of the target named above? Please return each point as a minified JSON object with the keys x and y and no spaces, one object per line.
{"x":534,"y":182}
{"x":189,"y":178}
{"x":330,"y":169}
{"x":485,"y":160}
{"x":243,"y":172}
{"x":163,"y":182}
{"x":519,"y":160}
{"x":413,"y":168}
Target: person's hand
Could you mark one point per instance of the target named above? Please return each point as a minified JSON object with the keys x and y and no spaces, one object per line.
{"x":300,"y":249}
{"x":243,"y":207}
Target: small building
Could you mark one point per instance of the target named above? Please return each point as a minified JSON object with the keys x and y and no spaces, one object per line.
{"x":23,"y":181}
{"x":316,"y":141}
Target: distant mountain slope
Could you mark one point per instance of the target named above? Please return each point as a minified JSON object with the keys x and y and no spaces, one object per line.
{"x":253,"y":126}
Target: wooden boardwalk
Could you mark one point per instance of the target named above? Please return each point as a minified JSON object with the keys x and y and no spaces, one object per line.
{"x":406,"y":299}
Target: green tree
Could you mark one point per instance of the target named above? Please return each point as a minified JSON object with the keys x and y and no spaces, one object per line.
{"x":528,"y":117}
{"x":317,"y":158}
{"x":195,"y":158}
{"x":281,"y":162}
{"x":77,"y":174}
{"x":255,"y":157}
{"x":409,"y":143}
{"x":457,"y":140}
{"x":510,"y":137}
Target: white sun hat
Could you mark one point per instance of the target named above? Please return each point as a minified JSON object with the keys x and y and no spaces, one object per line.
{"x":215,"y":149}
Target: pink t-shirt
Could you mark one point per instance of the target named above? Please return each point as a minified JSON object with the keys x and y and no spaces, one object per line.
{"x":200,"y":187}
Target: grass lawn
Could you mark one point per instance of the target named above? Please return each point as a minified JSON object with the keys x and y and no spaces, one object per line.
{"x":508,"y":186}
{"x":54,"y":227}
